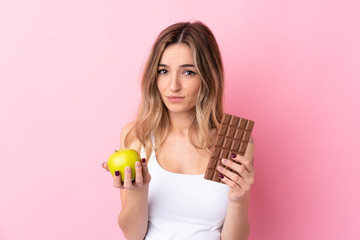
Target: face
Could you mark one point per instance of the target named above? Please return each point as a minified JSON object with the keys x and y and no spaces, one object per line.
{"x":178,"y":80}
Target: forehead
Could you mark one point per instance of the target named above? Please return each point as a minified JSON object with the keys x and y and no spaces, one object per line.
{"x":177,"y":53}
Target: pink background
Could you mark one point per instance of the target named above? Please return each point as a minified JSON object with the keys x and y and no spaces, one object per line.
{"x":69,"y":81}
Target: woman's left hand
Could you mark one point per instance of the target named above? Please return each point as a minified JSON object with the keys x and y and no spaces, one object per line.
{"x":240,"y":180}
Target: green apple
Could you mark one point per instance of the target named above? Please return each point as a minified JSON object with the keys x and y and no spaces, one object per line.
{"x":121,"y":159}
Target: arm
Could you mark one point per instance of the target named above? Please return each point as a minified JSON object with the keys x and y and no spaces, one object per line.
{"x":236,"y":225}
{"x":133,"y":217}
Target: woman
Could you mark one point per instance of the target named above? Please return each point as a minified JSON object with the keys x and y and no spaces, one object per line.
{"x":179,"y":115}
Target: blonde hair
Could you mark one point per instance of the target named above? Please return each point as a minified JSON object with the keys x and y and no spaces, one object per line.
{"x":153,"y":119}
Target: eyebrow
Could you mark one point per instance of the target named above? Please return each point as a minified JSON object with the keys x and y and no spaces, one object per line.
{"x":182,"y":65}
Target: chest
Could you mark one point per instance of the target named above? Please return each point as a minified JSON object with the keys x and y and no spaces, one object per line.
{"x":182,"y":157}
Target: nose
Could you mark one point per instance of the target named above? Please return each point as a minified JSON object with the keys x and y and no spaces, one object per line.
{"x":175,"y":84}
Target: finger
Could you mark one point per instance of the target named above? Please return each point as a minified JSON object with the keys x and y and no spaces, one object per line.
{"x":245,"y":169}
{"x":127,"y":178}
{"x":244,"y":161}
{"x":105,"y":166}
{"x":139,"y":179}
{"x":117,"y":179}
{"x":246,"y":176}
{"x":237,"y":167}
{"x":228,"y":181}
{"x":237,"y":179}
{"x":241,"y":184}
{"x":144,"y":167}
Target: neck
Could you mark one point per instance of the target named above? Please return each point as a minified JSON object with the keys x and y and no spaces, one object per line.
{"x":180,"y":122}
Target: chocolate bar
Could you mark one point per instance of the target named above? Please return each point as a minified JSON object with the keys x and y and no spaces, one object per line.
{"x":233,"y":137}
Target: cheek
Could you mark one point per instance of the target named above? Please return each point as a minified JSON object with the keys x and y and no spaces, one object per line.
{"x":196,"y":88}
{"x":159,"y":85}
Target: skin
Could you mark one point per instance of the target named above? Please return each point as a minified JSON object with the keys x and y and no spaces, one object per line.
{"x":177,"y":76}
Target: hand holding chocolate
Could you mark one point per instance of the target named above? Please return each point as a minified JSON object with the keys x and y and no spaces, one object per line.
{"x":233,"y":137}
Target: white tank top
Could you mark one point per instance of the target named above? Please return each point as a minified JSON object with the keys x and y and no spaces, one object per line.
{"x":183,"y":206}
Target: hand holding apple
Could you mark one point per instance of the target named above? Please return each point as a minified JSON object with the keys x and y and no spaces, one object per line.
{"x":121,"y":159}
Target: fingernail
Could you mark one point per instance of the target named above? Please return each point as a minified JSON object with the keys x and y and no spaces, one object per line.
{"x":138,"y":164}
{"x":233,"y":155}
{"x":224,"y":160}
{"x":143,"y":160}
{"x":221,"y":176}
{"x":117,"y":173}
{"x":220,"y":168}
{"x":127,"y":169}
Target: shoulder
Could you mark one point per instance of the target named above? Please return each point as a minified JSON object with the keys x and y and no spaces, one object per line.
{"x":133,"y":141}
{"x":125,"y":130}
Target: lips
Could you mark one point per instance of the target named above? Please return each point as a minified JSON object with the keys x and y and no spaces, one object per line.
{"x":175,"y":98}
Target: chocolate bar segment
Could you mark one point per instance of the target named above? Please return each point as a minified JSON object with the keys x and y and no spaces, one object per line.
{"x":233,"y":137}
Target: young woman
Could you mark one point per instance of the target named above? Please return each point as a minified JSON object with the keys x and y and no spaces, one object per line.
{"x":179,"y":115}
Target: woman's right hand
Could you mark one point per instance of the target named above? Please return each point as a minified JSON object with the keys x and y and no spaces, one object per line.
{"x":142,"y":176}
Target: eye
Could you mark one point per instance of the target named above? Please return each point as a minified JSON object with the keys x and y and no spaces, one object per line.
{"x":189,"y":73}
{"x":162,"y":71}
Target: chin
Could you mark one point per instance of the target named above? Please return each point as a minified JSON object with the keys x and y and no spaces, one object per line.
{"x":180,"y":109}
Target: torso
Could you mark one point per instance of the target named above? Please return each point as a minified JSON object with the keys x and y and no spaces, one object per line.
{"x":184,"y":206}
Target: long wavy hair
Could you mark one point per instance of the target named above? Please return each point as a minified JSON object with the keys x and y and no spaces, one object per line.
{"x":152,"y":120}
